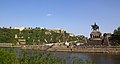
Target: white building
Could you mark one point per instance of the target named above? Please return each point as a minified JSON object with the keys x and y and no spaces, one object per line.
{"x":20,"y":28}
{"x":57,"y":30}
{"x":70,"y":34}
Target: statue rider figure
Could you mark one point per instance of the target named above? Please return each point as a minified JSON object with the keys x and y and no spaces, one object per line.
{"x":95,"y":27}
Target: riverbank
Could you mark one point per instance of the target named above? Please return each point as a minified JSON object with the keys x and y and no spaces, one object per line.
{"x":80,"y":49}
{"x":63,"y":48}
{"x":86,"y":49}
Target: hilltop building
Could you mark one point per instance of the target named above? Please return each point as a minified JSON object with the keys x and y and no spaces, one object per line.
{"x":20,"y":28}
{"x":57,"y":30}
{"x":72,"y":35}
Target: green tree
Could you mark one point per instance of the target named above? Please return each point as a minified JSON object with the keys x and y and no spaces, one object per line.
{"x":116,"y":36}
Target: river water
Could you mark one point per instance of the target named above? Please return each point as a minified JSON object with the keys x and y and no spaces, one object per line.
{"x":98,"y":58}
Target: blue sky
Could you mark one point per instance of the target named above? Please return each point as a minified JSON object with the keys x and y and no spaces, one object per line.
{"x":74,"y":16}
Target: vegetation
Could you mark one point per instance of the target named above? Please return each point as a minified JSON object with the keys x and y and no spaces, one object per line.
{"x":116,"y":36}
{"x":35,"y":36}
{"x":8,"y":35}
{"x":8,"y":56}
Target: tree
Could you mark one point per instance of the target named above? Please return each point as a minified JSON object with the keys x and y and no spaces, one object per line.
{"x":116,"y":36}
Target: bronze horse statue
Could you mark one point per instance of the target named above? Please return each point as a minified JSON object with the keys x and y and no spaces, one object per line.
{"x":95,"y":26}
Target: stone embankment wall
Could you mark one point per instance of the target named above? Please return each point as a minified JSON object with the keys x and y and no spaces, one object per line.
{"x":89,"y":49}
{"x":5,"y":44}
{"x":36,"y":47}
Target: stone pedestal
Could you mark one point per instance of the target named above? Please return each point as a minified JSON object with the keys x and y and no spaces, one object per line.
{"x":95,"y":35}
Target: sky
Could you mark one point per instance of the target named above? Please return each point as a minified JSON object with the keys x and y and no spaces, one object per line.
{"x":74,"y":16}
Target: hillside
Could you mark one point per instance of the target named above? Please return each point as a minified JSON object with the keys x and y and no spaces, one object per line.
{"x":36,"y":36}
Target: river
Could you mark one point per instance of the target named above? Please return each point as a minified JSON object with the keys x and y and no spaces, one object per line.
{"x":98,"y":58}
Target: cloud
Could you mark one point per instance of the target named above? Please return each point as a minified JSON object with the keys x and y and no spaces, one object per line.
{"x":49,"y":14}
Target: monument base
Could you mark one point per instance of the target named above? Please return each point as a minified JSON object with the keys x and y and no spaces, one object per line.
{"x":95,"y":39}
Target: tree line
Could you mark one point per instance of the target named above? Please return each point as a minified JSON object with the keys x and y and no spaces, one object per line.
{"x":115,"y":37}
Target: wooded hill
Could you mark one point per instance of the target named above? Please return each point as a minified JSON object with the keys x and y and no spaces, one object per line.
{"x":36,"y":36}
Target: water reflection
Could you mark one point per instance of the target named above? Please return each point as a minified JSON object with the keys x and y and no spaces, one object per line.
{"x":98,"y":58}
